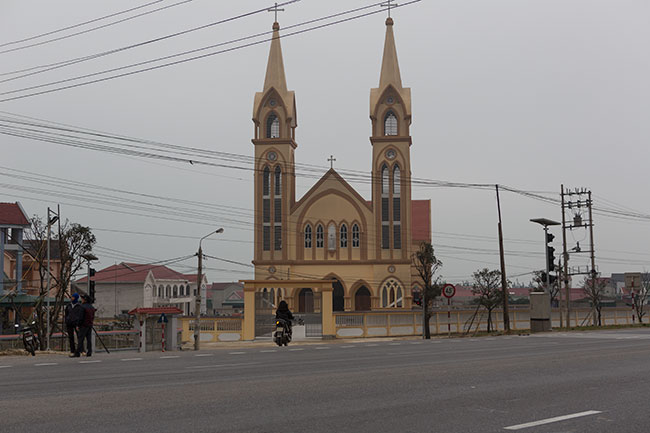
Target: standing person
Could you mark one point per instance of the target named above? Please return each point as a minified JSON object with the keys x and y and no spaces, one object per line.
{"x":86,"y":327}
{"x":73,"y":317}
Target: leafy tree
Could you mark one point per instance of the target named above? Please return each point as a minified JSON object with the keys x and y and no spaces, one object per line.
{"x":427,"y":265}
{"x":487,"y":286}
{"x":594,"y":288}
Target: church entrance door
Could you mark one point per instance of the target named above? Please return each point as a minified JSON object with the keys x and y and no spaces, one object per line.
{"x":306,"y":301}
{"x":338,"y":297}
{"x":362,"y":299}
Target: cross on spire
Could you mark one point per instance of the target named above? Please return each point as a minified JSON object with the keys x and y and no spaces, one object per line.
{"x":276,"y":10}
{"x":389,"y":4}
{"x":331,"y":159}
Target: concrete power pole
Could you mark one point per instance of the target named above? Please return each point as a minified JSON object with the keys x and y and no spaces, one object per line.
{"x":197,"y":304}
{"x":504,"y":282}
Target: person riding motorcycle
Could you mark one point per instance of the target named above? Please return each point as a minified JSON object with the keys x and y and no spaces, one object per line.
{"x":284,"y":313}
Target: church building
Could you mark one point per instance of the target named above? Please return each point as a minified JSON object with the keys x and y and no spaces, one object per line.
{"x":332,"y":232}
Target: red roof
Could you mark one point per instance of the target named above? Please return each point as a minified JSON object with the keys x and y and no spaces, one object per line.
{"x":421,"y":220}
{"x":154,"y":311}
{"x":135,"y":273}
{"x":12,"y":214}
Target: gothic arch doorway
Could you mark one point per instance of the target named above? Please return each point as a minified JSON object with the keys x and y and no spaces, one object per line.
{"x":306,"y":301}
{"x":338,"y":297}
{"x":362,"y":299}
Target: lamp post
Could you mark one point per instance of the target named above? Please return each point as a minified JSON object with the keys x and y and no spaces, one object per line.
{"x":197,"y":305}
{"x":50,"y":221}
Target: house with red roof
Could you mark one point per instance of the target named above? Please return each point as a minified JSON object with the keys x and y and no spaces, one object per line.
{"x":13,"y":222}
{"x":124,"y":286}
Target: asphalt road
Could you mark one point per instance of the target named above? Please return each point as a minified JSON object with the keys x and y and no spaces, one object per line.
{"x":597,"y":381}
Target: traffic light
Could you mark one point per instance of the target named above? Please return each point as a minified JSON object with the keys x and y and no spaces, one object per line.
{"x":550,"y":251}
{"x":549,"y":237}
{"x":91,"y":290}
{"x":91,"y":272}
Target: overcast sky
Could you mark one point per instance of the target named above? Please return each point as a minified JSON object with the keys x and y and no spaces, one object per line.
{"x":525,"y":93}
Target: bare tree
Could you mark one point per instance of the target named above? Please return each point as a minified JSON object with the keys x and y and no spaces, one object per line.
{"x":594,"y":288}
{"x":487,"y":285}
{"x":74,"y":241}
{"x":640,"y":296}
{"x":427,"y":265}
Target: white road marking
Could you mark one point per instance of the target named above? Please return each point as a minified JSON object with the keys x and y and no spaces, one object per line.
{"x":347,"y":347}
{"x":236,"y":353}
{"x":321,"y":348}
{"x":204,"y":354}
{"x":268,"y":351}
{"x":89,"y":362}
{"x":295,"y":350}
{"x":394,"y":344}
{"x":131,"y":359}
{"x":169,"y":357}
{"x":371,"y":345}
{"x":5,"y":366}
{"x":46,"y":363}
{"x":416,"y":342}
{"x":222,"y":365}
{"x":550,"y":420}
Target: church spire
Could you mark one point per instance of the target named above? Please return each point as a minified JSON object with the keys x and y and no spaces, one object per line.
{"x":275,"y":66}
{"x":389,"y":66}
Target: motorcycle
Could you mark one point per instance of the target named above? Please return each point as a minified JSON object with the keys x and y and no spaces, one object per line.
{"x":29,"y":339}
{"x":282,"y":334}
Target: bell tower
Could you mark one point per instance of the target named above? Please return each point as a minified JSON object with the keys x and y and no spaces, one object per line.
{"x":274,"y":117}
{"x":390,"y":115}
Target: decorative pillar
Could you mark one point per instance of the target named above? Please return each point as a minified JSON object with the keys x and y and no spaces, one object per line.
{"x":248,"y":331}
{"x":329,"y":325}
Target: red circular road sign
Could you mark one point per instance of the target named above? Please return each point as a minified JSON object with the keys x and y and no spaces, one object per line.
{"x":448,"y":290}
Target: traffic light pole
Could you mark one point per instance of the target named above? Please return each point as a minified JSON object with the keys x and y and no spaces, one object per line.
{"x":547,"y":282}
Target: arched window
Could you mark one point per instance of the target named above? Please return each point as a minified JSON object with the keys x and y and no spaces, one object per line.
{"x":390,"y":124}
{"x":356,"y":237}
{"x":277,"y":210}
{"x":391,"y":294}
{"x":385,"y":228}
{"x":319,"y":236}
{"x":344,"y":236}
{"x":273,"y":126}
{"x":307,"y":236}
{"x":266,"y":182}
{"x":397,"y":209}
{"x":331,"y":237}
{"x":175,"y":292}
{"x":168,"y":292}
{"x":266,"y":209}
{"x":161,"y":291}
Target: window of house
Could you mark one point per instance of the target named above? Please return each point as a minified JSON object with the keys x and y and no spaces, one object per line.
{"x":355,"y":236}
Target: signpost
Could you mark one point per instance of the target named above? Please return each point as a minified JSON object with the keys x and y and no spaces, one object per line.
{"x":163,"y":319}
{"x":448,"y":291}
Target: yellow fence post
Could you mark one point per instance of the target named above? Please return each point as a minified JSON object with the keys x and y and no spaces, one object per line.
{"x":327,"y":315}
{"x":248,"y":332}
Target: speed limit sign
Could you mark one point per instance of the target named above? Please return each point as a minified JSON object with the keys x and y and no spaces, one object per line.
{"x":448,"y":290}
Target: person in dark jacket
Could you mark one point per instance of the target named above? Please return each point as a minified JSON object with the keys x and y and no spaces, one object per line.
{"x":86,"y":327}
{"x":284,"y":313}
{"x":73,"y":317}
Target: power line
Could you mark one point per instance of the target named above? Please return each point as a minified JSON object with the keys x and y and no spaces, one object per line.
{"x":176,"y":62}
{"x":74,"y":26}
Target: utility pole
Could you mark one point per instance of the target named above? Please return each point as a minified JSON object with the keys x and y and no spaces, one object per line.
{"x":504,"y":283}
{"x":197,"y":304}
{"x":50,"y":221}
{"x":565,"y":264}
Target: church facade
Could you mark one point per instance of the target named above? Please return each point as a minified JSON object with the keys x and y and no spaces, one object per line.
{"x":332,"y":232}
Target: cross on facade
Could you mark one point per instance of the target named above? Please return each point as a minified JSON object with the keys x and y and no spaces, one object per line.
{"x":389,"y":4}
{"x":331,"y":159}
{"x":276,"y":10}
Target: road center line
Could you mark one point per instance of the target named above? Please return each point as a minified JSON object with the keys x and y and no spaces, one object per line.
{"x":5,"y":366}
{"x":204,"y":354}
{"x":394,"y":344}
{"x":46,"y":363}
{"x":268,"y":351}
{"x":347,"y":347}
{"x":321,"y":348}
{"x":89,"y":362}
{"x":169,"y":357}
{"x":295,"y":350}
{"x":236,"y":353}
{"x":131,"y":359}
{"x":221,"y":365}
{"x":550,"y":420}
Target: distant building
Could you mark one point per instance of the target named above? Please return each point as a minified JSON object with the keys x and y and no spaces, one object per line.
{"x":225,"y":298}
{"x":13,"y":222}
{"x":125,"y":286}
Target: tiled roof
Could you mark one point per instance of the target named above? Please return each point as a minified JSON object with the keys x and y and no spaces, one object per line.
{"x":12,"y":214}
{"x":135,"y":273}
{"x":223,"y":286}
{"x":421,"y":220}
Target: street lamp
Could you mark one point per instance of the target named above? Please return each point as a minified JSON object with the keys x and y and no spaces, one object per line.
{"x":50,"y":220}
{"x":197,"y":305}
{"x":545,"y":222}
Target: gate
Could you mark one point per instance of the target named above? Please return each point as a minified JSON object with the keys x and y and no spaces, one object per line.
{"x":314,"y":318}
{"x":264,"y":316}
{"x":153,"y":334}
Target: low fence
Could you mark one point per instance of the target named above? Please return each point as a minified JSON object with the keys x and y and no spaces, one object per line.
{"x":393,"y":323}
{"x":213,"y":329}
{"x":113,"y":340}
